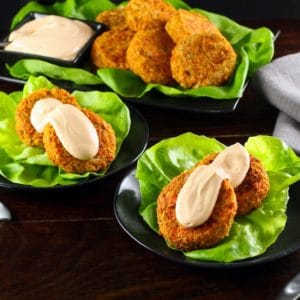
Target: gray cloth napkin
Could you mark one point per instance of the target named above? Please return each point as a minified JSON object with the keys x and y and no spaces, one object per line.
{"x":279,"y":82}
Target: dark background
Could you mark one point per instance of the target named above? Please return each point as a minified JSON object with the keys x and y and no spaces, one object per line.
{"x":236,"y":9}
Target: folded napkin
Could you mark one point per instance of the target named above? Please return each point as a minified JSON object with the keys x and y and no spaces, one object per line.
{"x":279,"y":82}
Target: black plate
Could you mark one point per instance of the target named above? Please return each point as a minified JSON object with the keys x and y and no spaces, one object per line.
{"x":153,"y":98}
{"x":13,"y":56}
{"x":126,"y":205}
{"x":131,"y":149}
{"x":187,"y":104}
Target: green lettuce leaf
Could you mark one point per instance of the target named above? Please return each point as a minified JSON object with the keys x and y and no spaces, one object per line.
{"x":24,"y":68}
{"x":255,"y":47}
{"x":250,"y":235}
{"x":29,"y":165}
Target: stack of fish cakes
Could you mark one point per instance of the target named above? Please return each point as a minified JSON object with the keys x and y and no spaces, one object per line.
{"x":49,"y":140}
{"x":163,"y":45}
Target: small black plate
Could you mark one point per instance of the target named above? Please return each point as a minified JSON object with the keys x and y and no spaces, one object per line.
{"x":13,"y":56}
{"x":126,"y":205}
{"x":131,"y":149}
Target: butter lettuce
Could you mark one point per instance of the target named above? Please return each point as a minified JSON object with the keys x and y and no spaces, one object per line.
{"x":250,"y":235}
{"x":255,"y":47}
{"x":31,"y":166}
{"x":25,"y":68}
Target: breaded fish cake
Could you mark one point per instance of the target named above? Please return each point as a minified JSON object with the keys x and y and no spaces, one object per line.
{"x":112,"y":18}
{"x":254,"y":188}
{"x":150,"y":14}
{"x":185,"y":23}
{"x":64,"y":160}
{"x":109,"y":49}
{"x":203,"y":60}
{"x":27,"y":133}
{"x":148,"y":56}
{"x":208,"y":234}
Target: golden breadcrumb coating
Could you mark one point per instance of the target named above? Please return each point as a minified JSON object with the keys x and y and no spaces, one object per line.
{"x":64,"y":160}
{"x":109,"y":49}
{"x":148,"y":56}
{"x":150,"y":14}
{"x":206,"y":235}
{"x":253,"y":189}
{"x":28,"y":135}
{"x":203,"y":60}
{"x":186,"y":23}
{"x":112,"y":18}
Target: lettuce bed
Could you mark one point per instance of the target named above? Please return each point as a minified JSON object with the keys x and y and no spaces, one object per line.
{"x":251,"y":234}
{"x":30,"y":166}
{"x":255,"y":47}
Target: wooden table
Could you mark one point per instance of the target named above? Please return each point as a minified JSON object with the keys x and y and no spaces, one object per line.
{"x":68,"y":245}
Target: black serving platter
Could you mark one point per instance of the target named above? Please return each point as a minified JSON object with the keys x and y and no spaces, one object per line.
{"x":126,"y":208}
{"x":131,"y":149}
{"x":203,"y":105}
{"x":11,"y":57}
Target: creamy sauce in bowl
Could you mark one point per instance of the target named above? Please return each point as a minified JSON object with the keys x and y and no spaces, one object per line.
{"x":52,"y":36}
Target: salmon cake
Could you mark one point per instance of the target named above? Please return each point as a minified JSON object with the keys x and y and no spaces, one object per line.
{"x":186,"y":23}
{"x":203,"y":60}
{"x":253,"y":189}
{"x":25,"y":130}
{"x":231,"y":202}
{"x":68,"y":163}
{"x":112,"y":18}
{"x":109,"y":49}
{"x":148,"y":56}
{"x":150,"y":14}
{"x":206,"y":235}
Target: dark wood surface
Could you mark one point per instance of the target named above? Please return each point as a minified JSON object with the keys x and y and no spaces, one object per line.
{"x":68,"y":245}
